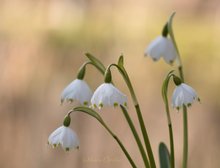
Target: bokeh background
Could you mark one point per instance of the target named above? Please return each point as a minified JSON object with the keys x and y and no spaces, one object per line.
{"x":42,"y":45}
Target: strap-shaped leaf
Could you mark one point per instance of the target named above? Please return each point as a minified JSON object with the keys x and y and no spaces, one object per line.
{"x":98,"y":64}
{"x":164,"y":156}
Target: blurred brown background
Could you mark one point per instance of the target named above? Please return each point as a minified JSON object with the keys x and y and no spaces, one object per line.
{"x":42,"y":45}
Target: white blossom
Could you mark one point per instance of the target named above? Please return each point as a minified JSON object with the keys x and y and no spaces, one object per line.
{"x":77,"y":90}
{"x":108,"y":95}
{"x":183,"y":95}
{"x":161,"y":47}
{"x":65,"y":137}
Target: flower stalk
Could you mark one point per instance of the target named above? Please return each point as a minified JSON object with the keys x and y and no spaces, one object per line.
{"x":138,"y":111}
{"x":94,"y":114}
{"x":185,"y":120}
{"x":165,"y":99}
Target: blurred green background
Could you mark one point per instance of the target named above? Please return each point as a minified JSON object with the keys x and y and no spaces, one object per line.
{"x":42,"y":45}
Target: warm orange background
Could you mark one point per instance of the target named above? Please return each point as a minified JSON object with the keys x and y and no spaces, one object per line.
{"x":42,"y":45}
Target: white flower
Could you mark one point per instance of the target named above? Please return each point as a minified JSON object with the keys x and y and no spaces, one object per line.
{"x":183,"y":95}
{"x":65,"y":137}
{"x":108,"y":95}
{"x":161,"y":47}
{"x":77,"y":90}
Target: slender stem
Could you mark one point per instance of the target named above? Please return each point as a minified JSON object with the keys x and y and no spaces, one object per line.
{"x":121,"y":145}
{"x":164,"y":94}
{"x":180,"y":68}
{"x":185,"y":137}
{"x":136,"y":136}
{"x":139,"y":114}
{"x":185,"y":127}
{"x":98,"y":117}
{"x":145,"y":135}
{"x":172,"y":156}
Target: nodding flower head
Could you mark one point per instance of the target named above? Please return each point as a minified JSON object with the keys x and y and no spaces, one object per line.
{"x":65,"y":137}
{"x":183,"y":95}
{"x":108,"y":95}
{"x":77,"y":90}
{"x":161,"y":47}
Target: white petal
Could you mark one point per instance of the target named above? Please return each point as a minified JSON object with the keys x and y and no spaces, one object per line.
{"x":183,"y":95}
{"x":162,"y":47}
{"x":69,"y":139}
{"x":108,"y":95}
{"x":77,"y":90}
{"x":54,"y":138}
{"x":169,"y":53}
{"x":155,"y":48}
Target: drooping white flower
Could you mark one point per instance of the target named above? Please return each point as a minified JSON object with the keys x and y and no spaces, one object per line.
{"x":108,"y":95}
{"x":65,"y":137}
{"x":183,"y":95}
{"x":77,"y":90}
{"x":161,"y":47}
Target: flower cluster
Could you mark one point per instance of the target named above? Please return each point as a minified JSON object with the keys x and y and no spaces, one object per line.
{"x":105,"y":95}
{"x":108,"y":95}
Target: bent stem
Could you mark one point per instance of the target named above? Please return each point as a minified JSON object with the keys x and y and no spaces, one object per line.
{"x":136,"y":136}
{"x":124,"y":74}
{"x":98,"y":117}
{"x":164,"y":94}
{"x":180,"y":69}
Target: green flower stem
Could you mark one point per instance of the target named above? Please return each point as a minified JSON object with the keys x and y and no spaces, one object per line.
{"x":164,"y":94}
{"x":185,"y":136}
{"x":120,"y":144}
{"x":180,"y":69}
{"x":98,"y":117}
{"x":139,"y":114}
{"x":172,"y":156}
{"x":136,"y":136}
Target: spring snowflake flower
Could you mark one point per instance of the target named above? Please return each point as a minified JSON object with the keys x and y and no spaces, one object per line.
{"x":161,"y":47}
{"x":65,"y":137}
{"x":108,"y":95}
{"x":183,"y":95}
{"x":77,"y":90}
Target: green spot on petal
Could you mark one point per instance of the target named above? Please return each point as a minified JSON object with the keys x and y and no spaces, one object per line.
{"x":85,"y":103}
{"x":115,"y":104}
{"x":125,"y":104}
{"x":67,"y":149}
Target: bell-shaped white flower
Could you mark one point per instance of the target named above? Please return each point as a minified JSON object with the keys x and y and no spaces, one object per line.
{"x":183,"y":95}
{"x":65,"y":137}
{"x":108,"y":95}
{"x":77,"y":90}
{"x":161,"y":47}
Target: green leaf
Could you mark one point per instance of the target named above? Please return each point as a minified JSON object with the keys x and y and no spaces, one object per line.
{"x":121,"y":61}
{"x":98,"y":64}
{"x":164,"y":156}
{"x":89,"y":111}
